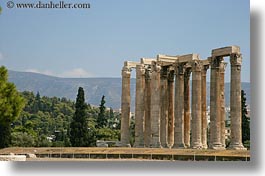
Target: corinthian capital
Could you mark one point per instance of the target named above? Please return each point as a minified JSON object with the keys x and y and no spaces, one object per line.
{"x":180,"y":68}
{"x":140,"y":70}
{"x":164,"y":72}
{"x":223,"y":66}
{"x":126,"y":71}
{"x":215,"y":61}
{"x":155,"y":67}
{"x":196,"y":66}
{"x":235,"y":59}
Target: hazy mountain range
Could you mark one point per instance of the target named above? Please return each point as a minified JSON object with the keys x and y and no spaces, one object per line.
{"x":94,"y":88}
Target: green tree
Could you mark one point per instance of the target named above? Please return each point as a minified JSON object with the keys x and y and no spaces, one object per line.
{"x":245,"y":120}
{"x":22,"y":139}
{"x":132,"y":131}
{"x":79,"y":126}
{"x":11,"y":104}
{"x":0,"y":9}
{"x":37,"y":103}
{"x":102,"y":120}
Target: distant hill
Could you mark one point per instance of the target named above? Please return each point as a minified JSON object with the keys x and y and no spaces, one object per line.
{"x":94,"y":88}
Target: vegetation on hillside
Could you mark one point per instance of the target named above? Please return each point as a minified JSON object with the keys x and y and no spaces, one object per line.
{"x":46,"y":122}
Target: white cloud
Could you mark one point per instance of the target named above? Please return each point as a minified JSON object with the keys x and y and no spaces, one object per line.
{"x":75,"y":73}
{"x":45,"y":72}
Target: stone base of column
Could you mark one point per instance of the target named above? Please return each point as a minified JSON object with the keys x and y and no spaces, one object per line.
{"x":146,"y":146}
{"x":217,"y":146}
{"x":138,"y":145}
{"x":179,"y":146}
{"x":124,"y":145}
{"x":169,"y":146}
{"x":157,"y":145}
{"x":196,"y":146}
{"x":187,"y":145}
{"x":236,"y":146}
{"x":165,"y":146}
{"x":204,"y":146}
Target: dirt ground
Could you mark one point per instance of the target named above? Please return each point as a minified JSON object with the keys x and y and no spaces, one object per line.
{"x":96,"y":150}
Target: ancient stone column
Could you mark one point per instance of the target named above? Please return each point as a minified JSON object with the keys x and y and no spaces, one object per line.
{"x":125,"y":107}
{"x":147,"y":105}
{"x":235,"y":103}
{"x":215,"y":117}
{"x":139,"y":106}
{"x":171,"y":108}
{"x":163,"y":106}
{"x":187,"y":107}
{"x":179,"y":107}
{"x":196,"y":105}
{"x":204,"y":107}
{"x":155,"y":105}
{"x":222,"y":101}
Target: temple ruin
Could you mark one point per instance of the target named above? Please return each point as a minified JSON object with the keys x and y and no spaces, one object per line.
{"x":164,"y":115}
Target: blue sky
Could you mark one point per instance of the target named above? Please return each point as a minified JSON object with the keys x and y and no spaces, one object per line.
{"x":95,"y":42}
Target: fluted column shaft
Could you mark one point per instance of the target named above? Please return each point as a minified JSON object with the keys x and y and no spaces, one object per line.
{"x":235,"y":103}
{"x":125,"y":107}
{"x":147,"y":105}
{"x":187,"y":107}
{"x":155,"y":106}
{"x":196,"y":105}
{"x":222,"y":101}
{"x":179,"y":107}
{"x":215,"y":117}
{"x":164,"y":106}
{"x":171,"y":108}
{"x":139,"y":106}
{"x":204,"y":107}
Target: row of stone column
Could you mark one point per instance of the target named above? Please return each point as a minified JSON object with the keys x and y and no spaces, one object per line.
{"x":163,"y":119}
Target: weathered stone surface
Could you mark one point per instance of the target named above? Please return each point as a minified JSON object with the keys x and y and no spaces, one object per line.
{"x":147,"y":105}
{"x":215,"y":117}
{"x":147,"y":61}
{"x":31,"y":155}
{"x":179,"y":107}
{"x":235,"y":103}
{"x":155,"y":106}
{"x":171,"y":108}
{"x":12,"y":157}
{"x":125,"y":106}
{"x":188,"y":58}
{"x":139,"y":106}
{"x":204,"y":107}
{"x":225,"y":51}
{"x":196,"y":105}
{"x":187,"y":112}
{"x":222,"y":101}
{"x":164,"y":106}
{"x":130,"y":64}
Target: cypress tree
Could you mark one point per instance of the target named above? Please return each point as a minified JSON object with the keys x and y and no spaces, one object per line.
{"x":102,"y":120}
{"x":79,"y":126}
{"x":245,"y":119}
